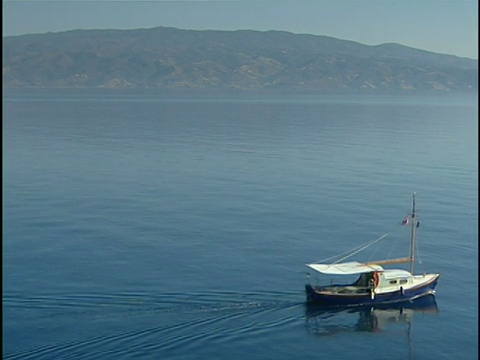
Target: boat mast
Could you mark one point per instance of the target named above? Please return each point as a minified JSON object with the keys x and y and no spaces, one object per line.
{"x":412,"y":238}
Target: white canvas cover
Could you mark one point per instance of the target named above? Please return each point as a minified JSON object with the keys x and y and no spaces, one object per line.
{"x":347,"y":268}
{"x":396,"y":274}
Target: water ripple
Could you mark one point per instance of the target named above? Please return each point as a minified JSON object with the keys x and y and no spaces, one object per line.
{"x":186,"y":322}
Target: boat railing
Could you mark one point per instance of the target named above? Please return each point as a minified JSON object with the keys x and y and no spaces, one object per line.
{"x":344,"y":288}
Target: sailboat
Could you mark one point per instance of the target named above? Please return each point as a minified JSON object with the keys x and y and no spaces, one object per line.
{"x":375,"y":285}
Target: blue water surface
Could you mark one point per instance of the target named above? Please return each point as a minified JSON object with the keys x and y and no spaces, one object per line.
{"x":148,"y":225}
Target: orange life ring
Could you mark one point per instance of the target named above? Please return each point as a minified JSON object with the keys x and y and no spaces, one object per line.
{"x":376,"y":278}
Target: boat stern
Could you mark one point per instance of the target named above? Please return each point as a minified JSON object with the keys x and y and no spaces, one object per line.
{"x":310,"y":292}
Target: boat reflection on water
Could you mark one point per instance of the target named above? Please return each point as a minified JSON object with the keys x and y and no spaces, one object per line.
{"x":329,"y":321}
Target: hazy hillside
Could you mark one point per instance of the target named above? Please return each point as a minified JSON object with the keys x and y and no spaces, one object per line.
{"x":170,"y":58}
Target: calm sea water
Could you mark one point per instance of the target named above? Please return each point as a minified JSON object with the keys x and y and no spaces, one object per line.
{"x":141,"y":225}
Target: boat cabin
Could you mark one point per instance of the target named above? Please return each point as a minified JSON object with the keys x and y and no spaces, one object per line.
{"x":390,"y":280}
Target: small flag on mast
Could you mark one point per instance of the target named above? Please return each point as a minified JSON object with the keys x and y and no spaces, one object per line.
{"x":406,"y":221}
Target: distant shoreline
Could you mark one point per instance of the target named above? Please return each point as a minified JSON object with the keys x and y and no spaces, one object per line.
{"x":229,"y":61}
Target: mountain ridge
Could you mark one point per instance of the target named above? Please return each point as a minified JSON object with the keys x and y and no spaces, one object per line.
{"x":170,"y":58}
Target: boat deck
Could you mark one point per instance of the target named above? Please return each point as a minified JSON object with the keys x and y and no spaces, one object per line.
{"x":342,"y":289}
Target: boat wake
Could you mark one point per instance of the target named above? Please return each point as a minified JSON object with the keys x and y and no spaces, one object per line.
{"x":136,"y":325}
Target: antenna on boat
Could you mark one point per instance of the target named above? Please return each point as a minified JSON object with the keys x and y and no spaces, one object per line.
{"x":412,"y":238}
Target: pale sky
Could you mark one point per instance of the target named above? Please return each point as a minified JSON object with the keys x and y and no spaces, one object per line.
{"x":442,"y":26}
